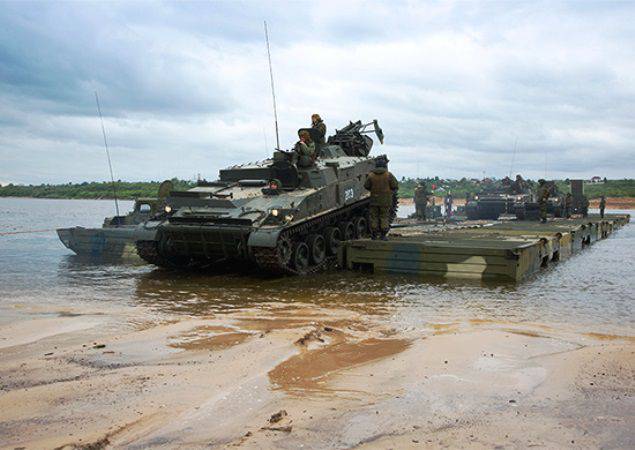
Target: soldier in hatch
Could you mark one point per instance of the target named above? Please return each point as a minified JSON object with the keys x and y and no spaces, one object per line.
{"x":305,"y":149}
{"x":421,"y":200}
{"x":318,"y":124}
{"x":382,"y":186}
{"x":543,"y":198}
{"x":519,"y":186}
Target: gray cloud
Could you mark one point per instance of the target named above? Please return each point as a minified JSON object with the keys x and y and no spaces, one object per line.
{"x":184,"y":87}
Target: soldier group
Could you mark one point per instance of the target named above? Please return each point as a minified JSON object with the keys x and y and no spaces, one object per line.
{"x":305,"y":147}
{"x":380,"y":182}
{"x":383,"y":185}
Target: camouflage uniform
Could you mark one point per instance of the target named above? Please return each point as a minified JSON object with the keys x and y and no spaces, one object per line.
{"x":318,"y":124}
{"x":381,"y":184}
{"x":305,"y":148}
{"x":421,"y":201}
{"x":543,"y":197}
{"x":602,"y":206}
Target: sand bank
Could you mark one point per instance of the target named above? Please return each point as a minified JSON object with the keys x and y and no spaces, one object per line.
{"x":339,"y":379}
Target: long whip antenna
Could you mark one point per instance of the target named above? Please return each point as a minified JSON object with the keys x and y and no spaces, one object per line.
{"x":103,"y":131}
{"x":511,"y":167}
{"x":273,"y":91}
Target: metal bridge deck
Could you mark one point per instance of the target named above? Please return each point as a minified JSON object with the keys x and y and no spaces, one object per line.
{"x":505,"y":251}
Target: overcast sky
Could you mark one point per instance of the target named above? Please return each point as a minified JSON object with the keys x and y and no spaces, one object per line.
{"x":184,"y":88}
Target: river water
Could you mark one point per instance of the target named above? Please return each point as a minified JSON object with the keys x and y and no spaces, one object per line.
{"x":38,"y":276}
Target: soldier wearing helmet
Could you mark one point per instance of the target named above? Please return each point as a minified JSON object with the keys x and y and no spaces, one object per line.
{"x":318,"y":124}
{"x":382,"y":186}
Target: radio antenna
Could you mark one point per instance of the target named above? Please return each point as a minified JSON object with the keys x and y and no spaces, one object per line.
{"x":103,"y":131}
{"x":273,"y":91}
{"x":511,"y":167}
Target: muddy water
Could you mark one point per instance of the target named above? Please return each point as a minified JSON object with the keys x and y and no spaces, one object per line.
{"x":593,"y":290}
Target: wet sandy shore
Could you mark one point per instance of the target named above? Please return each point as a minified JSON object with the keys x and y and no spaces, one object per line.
{"x":339,"y":378}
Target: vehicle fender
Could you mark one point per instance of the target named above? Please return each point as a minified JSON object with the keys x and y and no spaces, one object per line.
{"x":263,"y":238}
{"x":147,"y":231}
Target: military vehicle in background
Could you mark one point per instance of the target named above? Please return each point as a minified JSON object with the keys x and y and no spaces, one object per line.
{"x":280,"y":215}
{"x":490,"y":204}
{"x":529,"y":209}
{"x":115,"y":240}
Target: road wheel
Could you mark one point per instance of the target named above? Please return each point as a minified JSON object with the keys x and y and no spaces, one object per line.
{"x":361,"y":227}
{"x":333,"y":239}
{"x":301,"y":257}
{"x":348,"y":230}
{"x":317,"y":247}
{"x":284,"y":250}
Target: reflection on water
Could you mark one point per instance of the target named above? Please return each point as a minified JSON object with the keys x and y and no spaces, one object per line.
{"x":594,"y":287}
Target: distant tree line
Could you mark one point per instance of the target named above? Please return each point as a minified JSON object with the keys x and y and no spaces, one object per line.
{"x":135,"y":189}
{"x":94,"y":190}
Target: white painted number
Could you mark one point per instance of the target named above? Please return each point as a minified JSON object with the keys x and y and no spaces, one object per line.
{"x":349,"y":194}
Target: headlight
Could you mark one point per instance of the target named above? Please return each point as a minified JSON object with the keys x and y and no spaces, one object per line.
{"x":167,"y":209}
{"x":288,"y":218}
{"x":275,"y":212}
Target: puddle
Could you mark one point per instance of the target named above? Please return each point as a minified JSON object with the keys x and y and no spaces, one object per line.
{"x":609,"y":337}
{"x":310,"y":370}
{"x":209,"y":338}
{"x":524,"y":333}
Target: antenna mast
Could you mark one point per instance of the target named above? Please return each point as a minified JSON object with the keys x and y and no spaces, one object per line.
{"x":273,"y":91}
{"x":103,"y":131}
{"x":511,"y":167}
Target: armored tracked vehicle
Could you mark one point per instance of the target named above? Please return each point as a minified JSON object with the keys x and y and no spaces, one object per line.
{"x":286,"y":214}
{"x":529,"y":209}
{"x":116,"y":238}
{"x":489,"y":205}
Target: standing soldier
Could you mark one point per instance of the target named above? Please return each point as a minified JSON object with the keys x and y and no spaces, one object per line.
{"x":602,"y":206}
{"x":448,"y":205}
{"x":421,"y":200}
{"x":318,"y":124}
{"x":568,"y":205}
{"x":382,"y":186}
{"x":543,"y":197}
